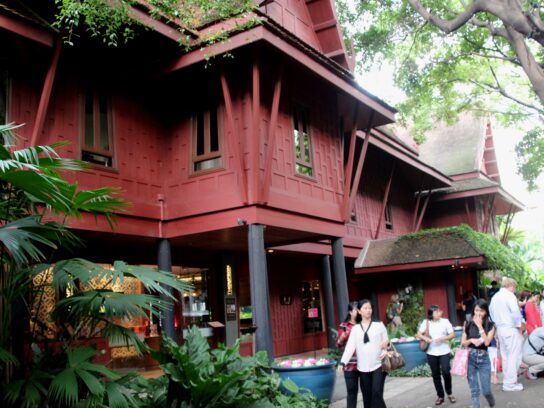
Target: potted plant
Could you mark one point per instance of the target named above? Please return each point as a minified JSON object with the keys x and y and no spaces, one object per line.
{"x":316,"y":375}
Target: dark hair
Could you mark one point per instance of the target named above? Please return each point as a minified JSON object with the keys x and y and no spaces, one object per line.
{"x":535,"y":293}
{"x":363,"y":302}
{"x":493,"y":283}
{"x":524,"y":295}
{"x":431,"y":310}
{"x":352,"y":306}
{"x":482,"y":304}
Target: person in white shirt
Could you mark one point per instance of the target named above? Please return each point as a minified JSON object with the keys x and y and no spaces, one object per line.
{"x":533,"y":354}
{"x":506,"y":315}
{"x":438,"y":332}
{"x":369,"y":340}
{"x":542,"y":306}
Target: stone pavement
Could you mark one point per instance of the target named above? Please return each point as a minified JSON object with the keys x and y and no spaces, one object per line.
{"x":404,"y":392}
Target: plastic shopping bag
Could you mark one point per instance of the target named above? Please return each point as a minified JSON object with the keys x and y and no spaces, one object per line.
{"x":460,"y":362}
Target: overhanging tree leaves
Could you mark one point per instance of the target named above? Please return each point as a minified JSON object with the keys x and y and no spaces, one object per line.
{"x":483,"y":56}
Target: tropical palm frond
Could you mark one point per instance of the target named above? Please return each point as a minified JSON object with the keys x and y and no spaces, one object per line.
{"x":68,"y":272}
{"x":30,"y":392}
{"x":80,"y":373}
{"x":21,"y":236}
{"x":8,"y":138}
{"x":118,"y":395}
{"x":7,"y":357}
{"x":120,"y":335}
{"x":154,"y":280}
{"x":107,"y":304}
{"x":38,"y":186}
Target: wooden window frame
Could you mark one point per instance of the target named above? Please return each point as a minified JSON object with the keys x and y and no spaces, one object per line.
{"x":388,"y":217}
{"x":208,"y":153}
{"x":95,"y":149}
{"x":297,"y":109}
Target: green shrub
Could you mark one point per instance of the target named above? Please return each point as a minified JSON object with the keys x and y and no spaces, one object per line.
{"x":422,"y":370}
{"x":197,"y":376}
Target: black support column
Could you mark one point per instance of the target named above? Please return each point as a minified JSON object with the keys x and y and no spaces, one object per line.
{"x":450,"y":293}
{"x":258,"y":281}
{"x":340,"y":278}
{"x":164,"y":261}
{"x":328,"y":299}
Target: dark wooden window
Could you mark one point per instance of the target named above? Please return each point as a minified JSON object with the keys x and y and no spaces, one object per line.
{"x":302,"y":142}
{"x":3,"y":95}
{"x":97,"y":145}
{"x":207,"y":140}
{"x":388,"y":217}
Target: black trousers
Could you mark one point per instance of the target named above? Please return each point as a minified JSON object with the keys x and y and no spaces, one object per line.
{"x":440,"y":365}
{"x":352,"y":387}
{"x":372,"y":387}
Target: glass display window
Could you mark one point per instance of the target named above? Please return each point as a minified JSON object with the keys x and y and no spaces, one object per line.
{"x":194,"y":310}
{"x":311,"y":306}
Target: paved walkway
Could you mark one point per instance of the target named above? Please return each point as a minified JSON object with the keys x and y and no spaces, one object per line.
{"x":404,"y":392}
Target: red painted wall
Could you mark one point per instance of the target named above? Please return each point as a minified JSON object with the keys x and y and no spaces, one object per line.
{"x":293,"y":15}
{"x":285,"y":277}
{"x":369,"y":200}
{"x":322,"y":194}
{"x":450,"y":213}
{"x":434,"y":290}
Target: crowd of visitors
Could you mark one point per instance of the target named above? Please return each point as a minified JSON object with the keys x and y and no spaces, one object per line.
{"x":504,"y":324}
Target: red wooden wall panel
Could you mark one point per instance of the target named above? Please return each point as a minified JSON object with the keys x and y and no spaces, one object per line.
{"x":434,"y":290}
{"x":293,"y":15}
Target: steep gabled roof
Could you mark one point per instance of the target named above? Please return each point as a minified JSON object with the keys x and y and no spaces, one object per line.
{"x":455,"y":149}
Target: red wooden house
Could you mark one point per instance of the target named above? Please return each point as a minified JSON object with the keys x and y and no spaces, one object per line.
{"x":258,"y":178}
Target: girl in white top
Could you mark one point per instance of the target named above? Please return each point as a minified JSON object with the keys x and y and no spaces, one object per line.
{"x":438,"y":332}
{"x":369,"y":339}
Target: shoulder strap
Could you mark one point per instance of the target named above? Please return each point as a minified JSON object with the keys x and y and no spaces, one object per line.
{"x":534,"y":348}
{"x":427,"y":329}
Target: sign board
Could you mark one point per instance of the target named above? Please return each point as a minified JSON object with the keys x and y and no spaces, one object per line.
{"x":230,"y":308}
{"x":313,"y":312}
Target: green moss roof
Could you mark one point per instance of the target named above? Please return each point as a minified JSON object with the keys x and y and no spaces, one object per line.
{"x":440,"y":244}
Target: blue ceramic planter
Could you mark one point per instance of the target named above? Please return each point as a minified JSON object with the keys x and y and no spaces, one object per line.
{"x":413,"y":356}
{"x":318,"y":379}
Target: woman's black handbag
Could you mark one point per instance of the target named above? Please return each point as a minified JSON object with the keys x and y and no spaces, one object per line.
{"x":392,"y":360}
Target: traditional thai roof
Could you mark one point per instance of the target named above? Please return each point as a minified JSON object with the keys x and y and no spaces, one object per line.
{"x":458,"y":247}
{"x":457,"y":148}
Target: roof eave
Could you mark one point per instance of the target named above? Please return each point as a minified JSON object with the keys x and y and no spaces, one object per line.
{"x":473,"y":261}
{"x":311,"y":59}
{"x":389,"y":146}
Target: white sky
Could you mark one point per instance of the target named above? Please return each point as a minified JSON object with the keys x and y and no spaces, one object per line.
{"x":380,"y":83}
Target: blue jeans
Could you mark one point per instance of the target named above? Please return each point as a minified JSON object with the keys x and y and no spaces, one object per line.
{"x":479,"y":366}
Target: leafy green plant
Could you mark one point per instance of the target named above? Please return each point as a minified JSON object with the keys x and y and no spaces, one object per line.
{"x":198,"y":376}
{"x":32,"y":189}
{"x":422,"y":370}
{"x":413,"y":312}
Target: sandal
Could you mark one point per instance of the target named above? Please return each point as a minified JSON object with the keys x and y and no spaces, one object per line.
{"x":439,"y":401}
{"x":452,"y":399}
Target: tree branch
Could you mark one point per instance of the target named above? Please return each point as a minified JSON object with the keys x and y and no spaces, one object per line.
{"x":448,"y":26}
{"x":499,"y":89}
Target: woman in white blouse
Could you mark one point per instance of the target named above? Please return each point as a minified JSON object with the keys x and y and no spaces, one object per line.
{"x":369,"y":339}
{"x":438,"y":332}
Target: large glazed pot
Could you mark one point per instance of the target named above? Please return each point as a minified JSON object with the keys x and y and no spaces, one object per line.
{"x":318,"y":379}
{"x":413,"y":356}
